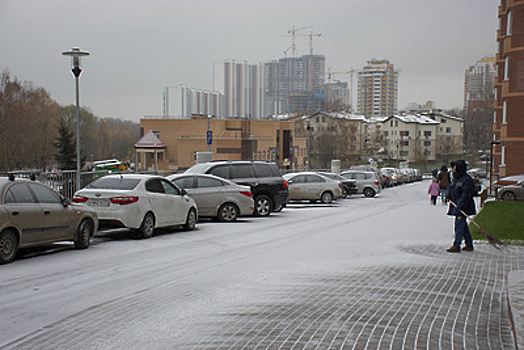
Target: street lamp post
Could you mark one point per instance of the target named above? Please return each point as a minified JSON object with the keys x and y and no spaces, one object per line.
{"x":76,"y":54}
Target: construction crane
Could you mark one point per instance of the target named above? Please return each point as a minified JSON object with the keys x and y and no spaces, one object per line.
{"x":310,"y":35}
{"x":293,"y":31}
{"x":350,"y":72}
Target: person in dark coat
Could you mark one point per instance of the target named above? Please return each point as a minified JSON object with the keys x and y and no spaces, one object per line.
{"x":460,"y":192}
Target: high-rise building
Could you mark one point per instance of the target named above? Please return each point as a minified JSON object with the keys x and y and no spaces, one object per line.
{"x":299,"y":80}
{"x":183,"y":102}
{"x":479,"y":81}
{"x":377,"y":89}
{"x":242,"y":84}
{"x":508,"y":127}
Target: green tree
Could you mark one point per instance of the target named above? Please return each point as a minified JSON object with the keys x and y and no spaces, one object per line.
{"x":65,"y":144}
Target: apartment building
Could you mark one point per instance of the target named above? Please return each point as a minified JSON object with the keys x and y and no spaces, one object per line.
{"x":426,"y":135}
{"x":508,"y":123}
{"x":479,"y":81}
{"x":377,"y":91}
{"x":294,"y":84}
{"x":231,"y":139}
{"x":183,"y":102}
{"x":242,"y":84}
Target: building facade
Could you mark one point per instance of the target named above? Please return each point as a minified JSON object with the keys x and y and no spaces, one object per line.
{"x":377,"y":91}
{"x":299,"y":79}
{"x":479,"y":81}
{"x":428,"y":135}
{"x":183,"y":102}
{"x":232,"y":139}
{"x":508,"y":123}
{"x":242,"y":84}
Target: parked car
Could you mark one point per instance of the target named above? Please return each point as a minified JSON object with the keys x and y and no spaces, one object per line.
{"x":368,"y":182}
{"x":140,"y":202}
{"x":512,"y":192}
{"x":477,"y":172}
{"x":216,"y":197}
{"x":349,"y":186}
{"x":32,"y":214}
{"x":270,"y":190}
{"x":393,"y":175}
{"x":313,"y":186}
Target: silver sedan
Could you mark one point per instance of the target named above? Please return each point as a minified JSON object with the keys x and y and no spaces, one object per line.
{"x":312,"y":186}
{"x":215,"y":196}
{"x":512,"y":192}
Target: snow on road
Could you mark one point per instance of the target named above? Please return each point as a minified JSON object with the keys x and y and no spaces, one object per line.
{"x":176,"y":289}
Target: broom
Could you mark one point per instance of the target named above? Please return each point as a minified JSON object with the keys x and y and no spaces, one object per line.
{"x":493,"y":240}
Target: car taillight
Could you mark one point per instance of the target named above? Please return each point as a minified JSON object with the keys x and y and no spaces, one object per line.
{"x":79,"y":199}
{"x":286,"y":186}
{"x":123,"y":200}
{"x":247,"y":193}
{"x":340,"y":185}
{"x":376,"y":183}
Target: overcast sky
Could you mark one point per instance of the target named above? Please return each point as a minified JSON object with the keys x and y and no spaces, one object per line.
{"x":140,"y":47}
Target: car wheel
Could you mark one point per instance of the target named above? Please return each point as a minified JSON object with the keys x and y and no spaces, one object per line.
{"x":344,"y":192}
{"x":369,"y":192}
{"x":190,"y":220}
{"x":148,"y":226}
{"x":262,"y":205}
{"x":227,"y":212}
{"x":84,"y":234}
{"x":509,"y":196}
{"x":326,"y":197}
{"x":8,"y":246}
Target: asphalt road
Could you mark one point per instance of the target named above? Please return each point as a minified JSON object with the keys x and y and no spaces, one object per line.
{"x":361,"y":273}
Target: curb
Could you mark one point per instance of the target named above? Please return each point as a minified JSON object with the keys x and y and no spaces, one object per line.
{"x":516,"y":306}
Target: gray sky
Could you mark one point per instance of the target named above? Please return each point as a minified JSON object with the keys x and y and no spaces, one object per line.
{"x":139,"y":47}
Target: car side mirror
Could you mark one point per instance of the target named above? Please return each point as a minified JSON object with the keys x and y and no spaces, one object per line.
{"x":66,"y":202}
{"x":183,"y":192}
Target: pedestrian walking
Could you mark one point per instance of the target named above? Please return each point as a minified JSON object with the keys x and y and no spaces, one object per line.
{"x":433,"y":192}
{"x":460,"y":192}
{"x":443,"y":179}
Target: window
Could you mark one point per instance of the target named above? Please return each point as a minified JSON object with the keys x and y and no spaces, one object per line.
{"x":155,"y":186}
{"x":427,"y":133}
{"x":169,"y":188}
{"x":203,"y":182}
{"x":44,"y":194}
{"x":506,"y":68}
{"x":184,"y":182}
{"x":404,"y":133}
{"x":243,"y":171}
{"x":299,"y":179}
{"x":314,"y":178}
{"x":404,"y":143}
{"x":19,"y":193}
{"x":262,"y":170}
{"x":221,"y":171}
{"x":448,"y":130}
{"x":503,"y":156}
{"x":427,"y":143}
{"x":504,"y":112}
{"x":509,"y":23}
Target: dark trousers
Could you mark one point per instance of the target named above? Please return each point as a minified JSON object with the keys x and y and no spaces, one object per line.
{"x":462,"y":231}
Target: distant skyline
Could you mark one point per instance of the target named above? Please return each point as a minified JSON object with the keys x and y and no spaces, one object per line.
{"x":138,"y":48}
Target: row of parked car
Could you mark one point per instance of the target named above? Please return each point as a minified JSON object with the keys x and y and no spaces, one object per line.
{"x":33,"y":214}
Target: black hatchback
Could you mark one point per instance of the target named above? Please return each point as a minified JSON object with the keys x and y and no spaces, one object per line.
{"x":270,"y":190}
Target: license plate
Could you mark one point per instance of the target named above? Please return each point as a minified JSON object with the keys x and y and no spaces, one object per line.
{"x":98,"y":202}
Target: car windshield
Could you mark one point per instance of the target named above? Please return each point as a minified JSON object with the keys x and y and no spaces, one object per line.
{"x":197,"y":168}
{"x":115,"y":183}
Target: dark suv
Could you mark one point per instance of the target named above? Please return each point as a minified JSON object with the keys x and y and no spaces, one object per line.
{"x":270,"y":190}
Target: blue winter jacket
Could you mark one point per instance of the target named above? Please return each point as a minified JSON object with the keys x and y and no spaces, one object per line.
{"x":461,"y":191}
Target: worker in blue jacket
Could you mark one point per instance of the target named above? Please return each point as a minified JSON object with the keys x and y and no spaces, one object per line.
{"x":460,"y":192}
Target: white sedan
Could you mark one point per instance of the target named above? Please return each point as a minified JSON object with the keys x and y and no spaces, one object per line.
{"x":312,"y":186}
{"x":142,"y":202}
